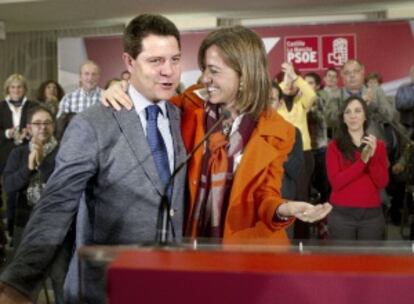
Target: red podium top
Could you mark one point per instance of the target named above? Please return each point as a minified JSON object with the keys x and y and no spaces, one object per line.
{"x":185,"y":276}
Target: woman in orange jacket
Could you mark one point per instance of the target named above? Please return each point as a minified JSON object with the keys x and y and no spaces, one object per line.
{"x":235,"y":180}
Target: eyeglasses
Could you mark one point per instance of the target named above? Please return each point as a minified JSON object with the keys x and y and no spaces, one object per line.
{"x":42,"y":124}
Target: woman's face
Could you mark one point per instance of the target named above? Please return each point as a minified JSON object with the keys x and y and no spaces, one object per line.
{"x":51,"y":91}
{"x":16,"y":90}
{"x":221,"y":81}
{"x":354,"y":116}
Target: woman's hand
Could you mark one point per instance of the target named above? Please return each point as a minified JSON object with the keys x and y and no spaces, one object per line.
{"x":368,"y":151}
{"x":116,"y":97}
{"x":290,"y":75}
{"x":304,"y":211}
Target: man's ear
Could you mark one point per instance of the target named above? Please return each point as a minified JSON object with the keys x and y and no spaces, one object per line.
{"x":127,"y":61}
{"x":29,"y":129}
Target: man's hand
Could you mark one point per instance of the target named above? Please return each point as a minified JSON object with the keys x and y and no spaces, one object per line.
{"x":398,"y":168}
{"x":10,"y":295}
{"x":116,"y":97}
{"x":369,"y":96}
{"x":304,"y":211}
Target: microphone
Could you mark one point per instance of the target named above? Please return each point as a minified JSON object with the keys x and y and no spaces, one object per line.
{"x":164,"y":216}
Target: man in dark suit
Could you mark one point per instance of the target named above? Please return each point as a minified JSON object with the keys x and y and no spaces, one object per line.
{"x":110,"y":165}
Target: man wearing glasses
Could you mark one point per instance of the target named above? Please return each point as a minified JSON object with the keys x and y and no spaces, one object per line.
{"x":26,"y":166}
{"x":380,"y":109}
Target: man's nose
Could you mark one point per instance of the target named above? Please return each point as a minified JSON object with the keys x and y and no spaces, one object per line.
{"x":167,"y":68}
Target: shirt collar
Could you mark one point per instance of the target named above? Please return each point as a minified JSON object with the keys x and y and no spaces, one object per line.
{"x":140,"y":102}
{"x":9,"y":102}
{"x":90,"y":92}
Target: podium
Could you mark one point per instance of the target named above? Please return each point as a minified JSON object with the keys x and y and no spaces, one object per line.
{"x":234,"y":274}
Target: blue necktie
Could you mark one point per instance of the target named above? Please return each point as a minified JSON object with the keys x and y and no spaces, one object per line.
{"x":157,"y":145}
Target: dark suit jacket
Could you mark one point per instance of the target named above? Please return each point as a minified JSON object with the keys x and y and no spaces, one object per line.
{"x":105,"y":156}
{"x":16,"y":178}
{"x":6,"y":122}
{"x":294,"y":167}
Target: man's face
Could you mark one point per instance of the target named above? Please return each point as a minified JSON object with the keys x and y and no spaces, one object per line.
{"x":353,"y":76}
{"x":331,"y":79}
{"x":311,"y":81}
{"x":41,"y":126}
{"x":156,"y":71}
{"x":373,"y":83}
{"x":89,"y":76}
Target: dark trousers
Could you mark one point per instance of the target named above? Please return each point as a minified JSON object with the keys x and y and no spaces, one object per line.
{"x":347,"y":223}
{"x":302,"y":230}
{"x":320,"y":177}
{"x":11,"y":211}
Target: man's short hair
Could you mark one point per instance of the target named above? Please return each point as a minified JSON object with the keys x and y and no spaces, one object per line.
{"x":315,"y":77}
{"x":37,"y":109}
{"x":353,"y":61}
{"x":87,"y":62}
{"x":375,"y":76}
{"x":331,"y":69}
{"x":143,"y":26}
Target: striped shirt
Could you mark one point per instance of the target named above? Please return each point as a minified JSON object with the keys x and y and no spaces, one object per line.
{"x":79,"y":100}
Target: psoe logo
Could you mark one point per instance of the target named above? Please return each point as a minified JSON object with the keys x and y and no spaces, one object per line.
{"x":339,"y":54}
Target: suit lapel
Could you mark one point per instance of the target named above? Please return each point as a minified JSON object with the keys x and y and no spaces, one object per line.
{"x":131,"y":127}
{"x":179,"y":152}
{"x":175,"y":121}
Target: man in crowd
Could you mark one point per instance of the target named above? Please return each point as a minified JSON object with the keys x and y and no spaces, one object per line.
{"x":110,"y":159}
{"x":404,"y":102}
{"x":298,"y":97}
{"x":380,"y":109}
{"x":330,"y":88}
{"x":87,"y":94}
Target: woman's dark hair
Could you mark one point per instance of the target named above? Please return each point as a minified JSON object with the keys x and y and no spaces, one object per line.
{"x":343,"y":138}
{"x":41,"y":97}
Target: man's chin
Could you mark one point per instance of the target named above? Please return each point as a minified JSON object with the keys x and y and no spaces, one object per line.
{"x":165,"y":95}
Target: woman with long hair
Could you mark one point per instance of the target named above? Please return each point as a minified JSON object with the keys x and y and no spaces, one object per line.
{"x":357,"y":168}
{"x":50,"y":93}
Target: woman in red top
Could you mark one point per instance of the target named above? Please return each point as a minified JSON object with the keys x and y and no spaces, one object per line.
{"x":357,"y":170}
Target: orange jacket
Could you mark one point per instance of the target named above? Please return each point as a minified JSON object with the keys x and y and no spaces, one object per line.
{"x":188,"y":102}
{"x":255,"y":192}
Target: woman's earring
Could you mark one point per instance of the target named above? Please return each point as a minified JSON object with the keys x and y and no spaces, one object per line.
{"x":241,"y":86}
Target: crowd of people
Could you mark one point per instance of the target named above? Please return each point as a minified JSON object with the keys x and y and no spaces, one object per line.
{"x":282,"y":154}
